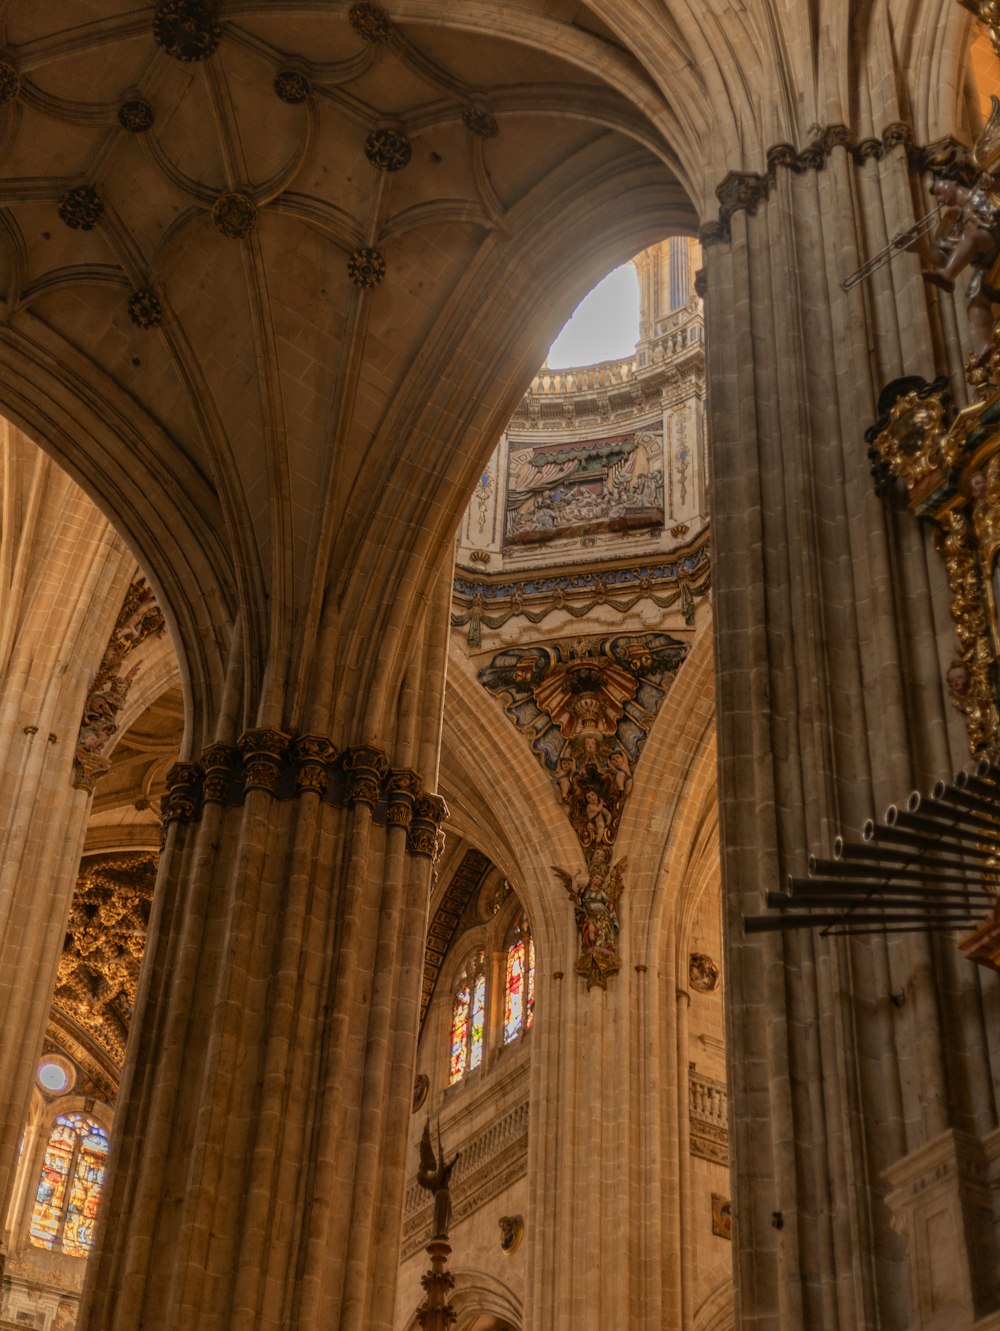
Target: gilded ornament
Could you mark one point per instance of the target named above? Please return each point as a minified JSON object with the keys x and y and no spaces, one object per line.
{"x":366,"y":267}
{"x":371,"y":22}
{"x":235,"y":215}
{"x":292,"y":86}
{"x":480,"y":123}
{"x":80,"y":208}
{"x":10,"y":82}
{"x":187,"y":29}
{"x":136,"y":116}
{"x":388,"y":149}
{"x":144,"y":309}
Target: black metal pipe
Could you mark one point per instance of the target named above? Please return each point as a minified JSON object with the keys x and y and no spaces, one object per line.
{"x":846,"y":869}
{"x":931,"y":827}
{"x":933,"y":808}
{"x":807,"y":887}
{"x":887,"y":857}
{"x":919,"y":842}
{"x":759,"y":924}
{"x":965,"y":798}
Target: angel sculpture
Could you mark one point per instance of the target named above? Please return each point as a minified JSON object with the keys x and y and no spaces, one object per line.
{"x":595,"y":909}
{"x":434,"y":1175}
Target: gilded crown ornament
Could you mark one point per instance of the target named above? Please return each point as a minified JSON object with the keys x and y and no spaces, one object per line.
{"x":366,"y":267}
{"x":187,"y":29}
{"x":480,"y":123}
{"x":388,"y":149}
{"x":292,"y":86}
{"x":136,"y":116}
{"x":370,"y":22}
{"x":10,"y":82}
{"x":235,"y":215}
{"x":80,"y":208}
{"x":144,"y":309}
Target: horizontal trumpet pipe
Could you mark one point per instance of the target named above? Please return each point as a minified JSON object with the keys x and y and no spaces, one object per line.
{"x":804,"y":888}
{"x":852,"y":869}
{"x":949,"y":823}
{"x":958,"y":797}
{"x":758,"y":924}
{"x":920,"y":842}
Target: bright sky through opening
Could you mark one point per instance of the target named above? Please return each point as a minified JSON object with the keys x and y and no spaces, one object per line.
{"x":604,"y":326}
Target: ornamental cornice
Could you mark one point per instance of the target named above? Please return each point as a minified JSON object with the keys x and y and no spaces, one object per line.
{"x":745,"y":191}
{"x":286,"y":767}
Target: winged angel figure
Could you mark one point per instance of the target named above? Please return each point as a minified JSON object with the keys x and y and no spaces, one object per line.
{"x":435,"y":1176}
{"x":595,"y":906}
{"x":968,"y":233}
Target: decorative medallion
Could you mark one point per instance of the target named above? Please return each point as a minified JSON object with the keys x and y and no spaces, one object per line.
{"x":370,"y":22}
{"x":388,"y":149}
{"x":187,"y":29}
{"x":292,"y":86}
{"x":10,"y":82}
{"x":480,"y":123}
{"x":136,"y":116}
{"x":421,"y":1085}
{"x":80,"y":208}
{"x":703,"y":973}
{"x":235,"y":215}
{"x":144,"y":309}
{"x":366,"y":267}
{"x":511,"y":1232}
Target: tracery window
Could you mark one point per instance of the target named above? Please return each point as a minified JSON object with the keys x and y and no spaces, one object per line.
{"x":69,"y":1188}
{"x":519,"y":982}
{"x":468,"y":1018}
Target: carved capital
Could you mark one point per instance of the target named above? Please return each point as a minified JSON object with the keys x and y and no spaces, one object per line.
{"x":312,"y":755}
{"x":713,"y":233}
{"x":182,"y":801}
{"x":740,"y":191}
{"x":367,"y":767}
{"x":422,"y":835}
{"x":219,"y":762}
{"x":264,"y":754}
{"x":88,"y":768}
{"x":897,"y":134}
{"x":402,"y":788}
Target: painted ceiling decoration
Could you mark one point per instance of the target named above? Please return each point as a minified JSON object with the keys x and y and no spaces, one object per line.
{"x":586,"y":706}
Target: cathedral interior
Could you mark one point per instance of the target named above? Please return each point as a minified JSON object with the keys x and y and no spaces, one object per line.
{"x":493,"y":842}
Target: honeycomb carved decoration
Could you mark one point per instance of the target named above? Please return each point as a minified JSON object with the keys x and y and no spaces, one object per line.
{"x":136,"y":116}
{"x":234,"y":215}
{"x":388,"y":150}
{"x":187,"y":29}
{"x":80,"y":208}
{"x":10,"y":82}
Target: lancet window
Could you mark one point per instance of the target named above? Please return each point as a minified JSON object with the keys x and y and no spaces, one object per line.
{"x":519,"y":982}
{"x":468,"y":1019}
{"x":69,"y":1187}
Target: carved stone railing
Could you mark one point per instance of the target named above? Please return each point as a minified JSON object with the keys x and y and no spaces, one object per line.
{"x":708,"y":1106}
{"x":586,"y":378}
{"x":490,"y":1161}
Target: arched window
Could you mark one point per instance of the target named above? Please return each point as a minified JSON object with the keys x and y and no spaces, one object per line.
{"x":468,"y":1018}
{"x":69,"y":1189}
{"x":519,"y":982}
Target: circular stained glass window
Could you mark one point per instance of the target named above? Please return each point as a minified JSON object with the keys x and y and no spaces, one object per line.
{"x":55,"y":1075}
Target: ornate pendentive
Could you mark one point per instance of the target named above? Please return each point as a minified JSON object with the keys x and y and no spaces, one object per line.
{"x":105,"y":939}
{"x":10,"y":82}
{"x":587,"y":705}
{"x":80,"y":208}
{"x":136,"y":116}
{"x":366,"y":267}
{"x":595,"y":896}
{"x":140,"y":617}
{"x":187,"y":29}
{"x":480,"y":123}
{"x":388,"y":149}
{"x":144,"y":308}
{"x":292,"y":86}
{"x":371,"y":22}
{"x":235,"y":215}
{"x":949,"y":464}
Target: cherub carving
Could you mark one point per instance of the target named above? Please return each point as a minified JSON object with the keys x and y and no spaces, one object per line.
{"x":434,"y":1175}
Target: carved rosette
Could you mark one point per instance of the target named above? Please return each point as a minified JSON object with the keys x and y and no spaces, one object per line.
{"x":136,"y":116}
{"x":429,"y":812}
{"x":402,"y":788}
{"x":366,"y":267}
{"x":370,"y":22}
{"x":187,"y":29}
{"x":312,"y":755}
{"x":10,"y":82}
{"x":235,"y":215}
{"x":182,"y":802}
{"x":219,"y":762}
{"x":144,"y":308}
{"x":80,"y":208}
{"x":388,"y":149}
{"x":264,"y":754}
{"x":292,"y":86}
{"x":480,"y":123}
{"x":367,"y":767}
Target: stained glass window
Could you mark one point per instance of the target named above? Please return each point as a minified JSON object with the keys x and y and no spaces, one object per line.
{"x":468,"y":1019}
{"x":69,"y":1189}
{"x":519,"y":985}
